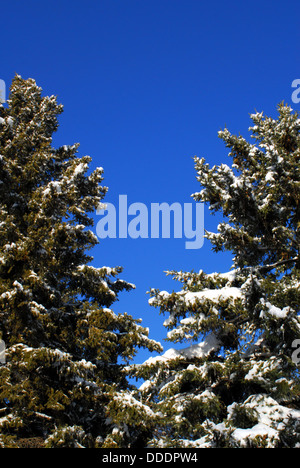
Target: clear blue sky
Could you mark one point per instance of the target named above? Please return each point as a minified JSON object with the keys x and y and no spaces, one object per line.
{"x":146,"y":85}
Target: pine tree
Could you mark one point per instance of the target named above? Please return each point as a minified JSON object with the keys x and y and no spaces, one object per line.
{"x":237,"y":383}
{"x":64,"y":380}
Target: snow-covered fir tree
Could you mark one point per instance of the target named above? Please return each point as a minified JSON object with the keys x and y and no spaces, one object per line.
{"x":236,"y":381}
{"x":63,"y":380}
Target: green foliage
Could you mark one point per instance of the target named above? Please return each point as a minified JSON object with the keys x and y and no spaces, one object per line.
{"x":237,"y":384}
{"x":66,"y":349}
{"x":244,"y":417}
{"x":68,"y":437}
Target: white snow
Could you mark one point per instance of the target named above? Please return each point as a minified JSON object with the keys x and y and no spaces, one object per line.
{"x":202,"y":349}
{"x":274,"y":311}
{"x":230,"y":275}
{"x":271,"y":417}
{"x":10,"y":121}
{"x":260,"y":429}
{"x":82,"y":167}
{"x":269,"y":177}
{"x":161,"y":295}
{"x":259,"y":369}
{"x":126,"y":399}
{"x":55,"y":185}
{"x":214,"y":295}
{"x":198,"y":350}
{"x":18,"y":285}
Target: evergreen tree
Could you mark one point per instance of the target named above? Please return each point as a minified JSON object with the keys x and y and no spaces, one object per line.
{"x":238,"y":384}
{"x":63,"y":380}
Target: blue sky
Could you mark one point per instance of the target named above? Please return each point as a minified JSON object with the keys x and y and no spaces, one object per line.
{"x":146,"y":85}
